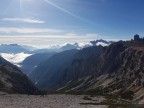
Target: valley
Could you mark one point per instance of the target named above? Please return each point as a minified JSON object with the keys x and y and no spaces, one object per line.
{"x":95,"y":76}
{"x":71,"y":53}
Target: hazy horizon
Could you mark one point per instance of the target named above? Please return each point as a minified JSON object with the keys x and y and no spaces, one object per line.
{"x":46,"y":42}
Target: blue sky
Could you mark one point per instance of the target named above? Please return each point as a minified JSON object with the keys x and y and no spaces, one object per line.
{"x":61,"y":21}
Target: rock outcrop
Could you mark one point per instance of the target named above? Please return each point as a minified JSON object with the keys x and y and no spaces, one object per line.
{"x":12,"y":80}
{"x":119,"y":69}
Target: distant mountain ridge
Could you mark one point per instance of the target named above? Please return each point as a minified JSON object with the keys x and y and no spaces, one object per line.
{"x":16,"y":48}
{"x":12,"y":48}
{"x":101,"y":42}
{"x":28,"y":57}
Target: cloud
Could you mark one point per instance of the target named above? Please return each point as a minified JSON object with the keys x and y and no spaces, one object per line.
{"x":15,"y":58}
{"x":24,"y":20}
{"x":46,"y":40}
{"x":23,"y":31}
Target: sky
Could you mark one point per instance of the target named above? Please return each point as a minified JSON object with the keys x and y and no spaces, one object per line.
{"x":52,"y":22}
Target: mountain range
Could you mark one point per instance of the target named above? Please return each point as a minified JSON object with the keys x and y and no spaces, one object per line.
{"x":12,"y":48}
{"x":115,"y":69}
{"x":50,"y":71}
{"x":27,"y":57}
{"x":118,"y":70}
{"x":16,"y":48}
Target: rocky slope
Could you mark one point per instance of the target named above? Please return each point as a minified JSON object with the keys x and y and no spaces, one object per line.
{"x":119,"y":70}
{"x":12,"y":80}
{"x":49,"y":73}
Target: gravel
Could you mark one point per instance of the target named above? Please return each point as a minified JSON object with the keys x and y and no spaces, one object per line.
{"x":48,"y":101}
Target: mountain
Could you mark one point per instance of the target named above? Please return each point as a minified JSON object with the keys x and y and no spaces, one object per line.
{"x":49,"y":67}
{"x":118,"y":70}
{"x":27,"y":62}
{"x":69,"y":46}
{"x":46,"y":50}
{"x":101,"y":42}
{"x":32,"y":61}
{"x":12,"y":48}
{"x":12,"y":80}
{"x":49,"y":72}
{"x":15,"y":48}
{"x":30,"y":48}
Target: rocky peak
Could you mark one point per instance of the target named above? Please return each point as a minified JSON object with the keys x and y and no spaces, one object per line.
{"x":137,"y":38}
{"x":117,"y":69}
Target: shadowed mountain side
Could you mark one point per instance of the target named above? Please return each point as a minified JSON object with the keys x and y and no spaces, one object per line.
{"x":49,"y":73}
{"x":12,"y":80}
{"x":119,"y":69}
{"x":31,"y":62}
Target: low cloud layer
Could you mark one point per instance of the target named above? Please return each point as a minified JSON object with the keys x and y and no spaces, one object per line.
{"x":47,"y":40}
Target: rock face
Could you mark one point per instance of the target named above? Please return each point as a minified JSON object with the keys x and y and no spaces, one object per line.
{"x":95,"y":42}
{"x":115,"y":69}
{"x":12,"y":80}
{"x":49,"y":73}
{"x":137,"y":38}
{"x":118,"y":69}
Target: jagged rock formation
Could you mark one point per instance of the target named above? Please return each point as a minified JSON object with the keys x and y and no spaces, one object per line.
{"x":116,"y":69}
{"x":95,"y":42}
{"x":49,"y":73}
{"x":137,"y":38}
{"x":12,"y":80}
{"x":119,"y":69}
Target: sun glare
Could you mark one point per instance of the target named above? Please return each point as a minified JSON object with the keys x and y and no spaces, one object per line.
{"x":26,"y":1}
